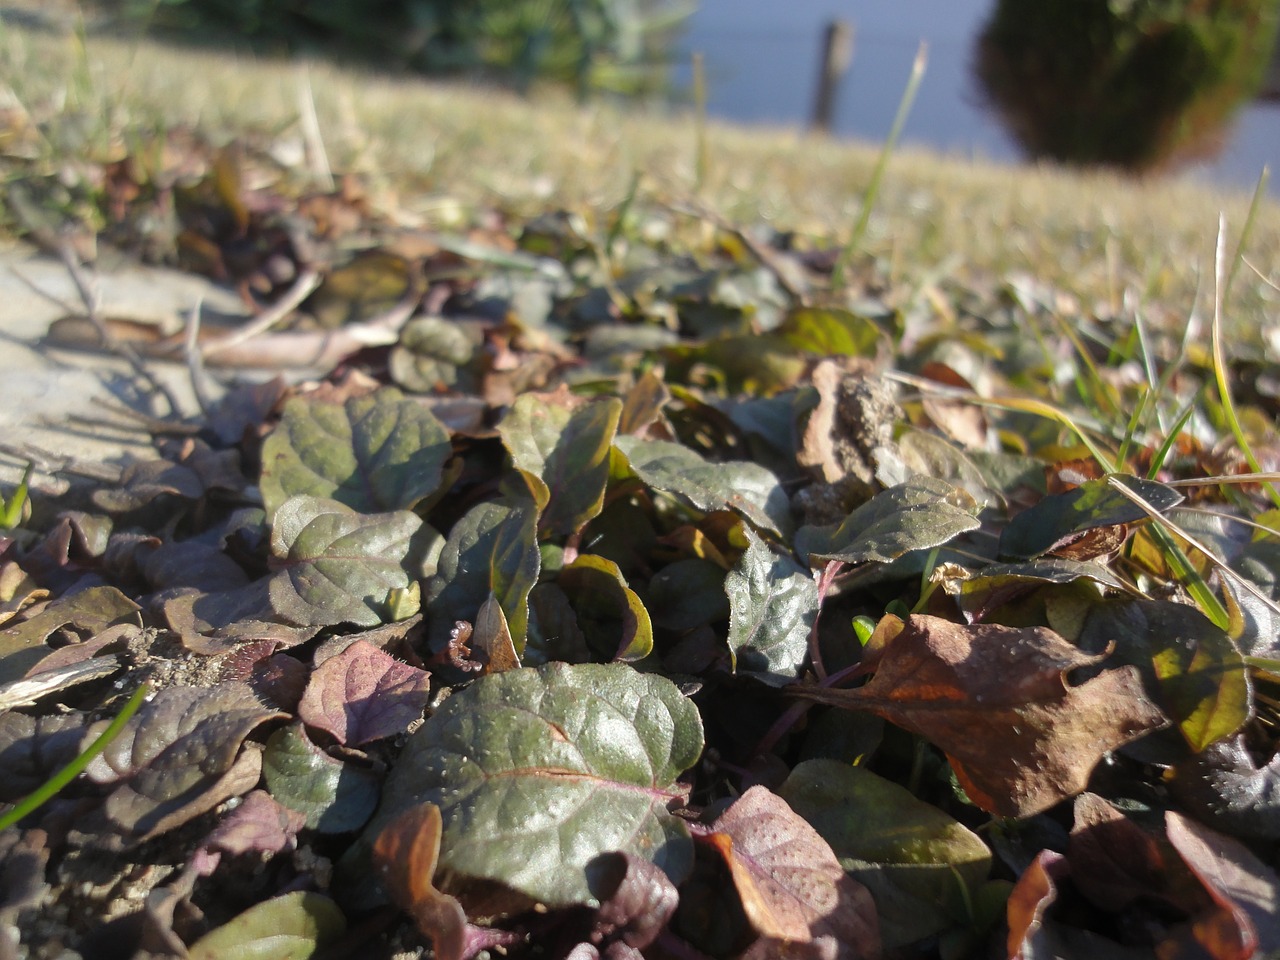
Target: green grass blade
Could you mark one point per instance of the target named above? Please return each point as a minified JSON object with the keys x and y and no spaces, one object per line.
{"x":11,"y":510}
{"x":1259,"y":197}
{"x":699,"y":122}
{"x":877,"y":174}
{"x":1219,"y":355}
{"x":47,"y":790}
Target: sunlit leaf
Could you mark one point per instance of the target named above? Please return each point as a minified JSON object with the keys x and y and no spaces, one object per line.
{"x":375,"y":453}
{"x":1191,"y":668}
{"x":493,"y":549}
{"x":611,"y":616}
{"x":773,"y":601}
{"x":566,"y":445}
{"x":917,"y":515}
{"x":997,"y":700}
{"x":792,"y":887}
{"x":364,"y":694}
{"x":537,"y":772}
{"x":339,"y":566}
{"x":746,"y":488}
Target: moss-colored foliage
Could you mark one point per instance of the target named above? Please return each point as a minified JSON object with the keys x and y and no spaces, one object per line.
{"x":590,"y":44}
{"x":1135,"y":84}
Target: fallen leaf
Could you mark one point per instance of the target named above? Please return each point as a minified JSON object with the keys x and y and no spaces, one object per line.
{"x":792,"y":887}
{"x":1240,"y":884}
{"x":491,"y":639}
{"x":996,"y":700}
{"x":1113,"y":860}
{"x":1033,"y":894}
{"x":405,"y":854}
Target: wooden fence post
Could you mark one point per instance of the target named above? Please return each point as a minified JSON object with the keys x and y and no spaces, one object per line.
{"x":837,"y":54}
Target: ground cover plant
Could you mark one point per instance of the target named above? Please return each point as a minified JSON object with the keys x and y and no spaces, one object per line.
{"x":638,"y":582}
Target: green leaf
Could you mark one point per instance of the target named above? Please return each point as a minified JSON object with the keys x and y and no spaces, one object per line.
{"x":909,"y":854}
{"x":917,"y":515}
{"x":289,"y":927}
{"x":493,"y":548}
{"x":832,"y":333}
{"x":1060,"y":518}
{"x":429,"y":354}
{"x":536,"y":772}
{"x":687,"y":594}
{"x":1188,"y":665}
{"x":338,"y":566}
{"x":746,"y":488}
{"x":611,"y":616}
{"x":335,"y":797}
{"x":567,"y":447}
{"x":375,"y":453}
{"x":749,"y":363}
{"x":772,"y":602}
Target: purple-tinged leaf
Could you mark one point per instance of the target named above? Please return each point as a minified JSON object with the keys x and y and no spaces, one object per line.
{"x":180,"y":756}
{"x":364,"y":694}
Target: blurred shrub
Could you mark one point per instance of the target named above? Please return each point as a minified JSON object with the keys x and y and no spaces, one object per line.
{"x":1136,"y":84}
{"x":602,"y":45}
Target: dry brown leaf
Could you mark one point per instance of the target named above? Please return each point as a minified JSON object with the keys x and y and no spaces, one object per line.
{"x":998,"y":702}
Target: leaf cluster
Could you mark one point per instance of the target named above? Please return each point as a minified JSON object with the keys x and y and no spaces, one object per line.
{"x":635,"y":598}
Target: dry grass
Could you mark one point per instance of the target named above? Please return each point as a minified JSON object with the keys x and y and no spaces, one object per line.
{"x":445,"y":148}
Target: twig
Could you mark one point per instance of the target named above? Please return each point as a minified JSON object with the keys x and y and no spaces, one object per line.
{"x":88,"y":290}
{"x":52,"y":463}
{"x":195,"y":360}
{"x":302,"y":288}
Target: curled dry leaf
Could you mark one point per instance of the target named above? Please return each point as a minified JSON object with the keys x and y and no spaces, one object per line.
{"x":1246,"y":890}
{"x":405,"y":855}
{"x":998,"y":702}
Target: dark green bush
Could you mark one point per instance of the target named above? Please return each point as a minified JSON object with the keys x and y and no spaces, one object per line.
{"x":1136,"y":84}
{"x":613,"y":45}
